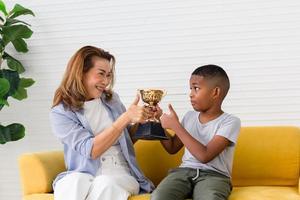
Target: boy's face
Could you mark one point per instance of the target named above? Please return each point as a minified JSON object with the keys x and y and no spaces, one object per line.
{"x":201,"y":94}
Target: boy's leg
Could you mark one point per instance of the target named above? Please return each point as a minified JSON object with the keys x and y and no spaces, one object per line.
{"x":212,"y":186}
{"x":176,"y":186}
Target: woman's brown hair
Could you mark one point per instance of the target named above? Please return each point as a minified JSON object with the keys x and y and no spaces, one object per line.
{"x":71,"y":90}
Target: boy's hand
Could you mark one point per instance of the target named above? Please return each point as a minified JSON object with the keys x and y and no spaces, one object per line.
{"x":171,"y":120}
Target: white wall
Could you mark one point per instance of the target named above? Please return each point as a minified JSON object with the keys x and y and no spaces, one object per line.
{"x":158,"y":43}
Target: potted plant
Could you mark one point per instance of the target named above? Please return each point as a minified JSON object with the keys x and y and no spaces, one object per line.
{"x":13,"y":32}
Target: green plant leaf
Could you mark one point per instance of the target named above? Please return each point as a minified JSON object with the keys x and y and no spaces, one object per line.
{"x":3,"y":8}
{"x":20,"y":45}
{"x":3,"y":102}
{"x":20,"y":10}
{"x":1,"y":19}
{"x":4,"y":86}
{"x":13,"y":78}
{"x":20,"y":94}
{"x":11,"y":132}
{"x":11,"y":33}
{"x":10,"y":21}
{"x":13,"y":63}
{"x":26,"y":82}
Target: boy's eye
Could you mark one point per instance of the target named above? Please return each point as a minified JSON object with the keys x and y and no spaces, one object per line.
{"x":195,"y":88}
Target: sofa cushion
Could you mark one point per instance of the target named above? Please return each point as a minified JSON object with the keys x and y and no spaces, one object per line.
{"x":267,"y":156}
{"x":39,"y":197}
{"x":51,"y":197}
{"x":238,"y":193}
{"x":264,"y":193}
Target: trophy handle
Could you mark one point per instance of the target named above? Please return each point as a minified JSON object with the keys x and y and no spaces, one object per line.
{"x":164,"y":92}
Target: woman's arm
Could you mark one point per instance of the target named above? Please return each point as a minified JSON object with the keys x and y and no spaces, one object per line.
{"x":105,"y":139}
{"x":108,"y":137}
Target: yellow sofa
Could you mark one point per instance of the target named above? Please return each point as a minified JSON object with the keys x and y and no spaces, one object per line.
{"x":266,"y":166}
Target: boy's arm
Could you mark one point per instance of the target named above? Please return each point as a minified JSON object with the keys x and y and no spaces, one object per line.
{"x":203,"y":153}
{"x":173,"y":144}
{"x":132,"y":130}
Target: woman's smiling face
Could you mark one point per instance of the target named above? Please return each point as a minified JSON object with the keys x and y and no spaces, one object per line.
{"x":97,"y":78}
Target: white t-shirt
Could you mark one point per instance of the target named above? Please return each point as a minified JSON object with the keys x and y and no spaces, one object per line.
{"x":97,"y":115}
{"x":225,"y":125}
{"x":112,"y":160}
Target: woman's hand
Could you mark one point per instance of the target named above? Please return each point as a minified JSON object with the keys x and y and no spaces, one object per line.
{"x":136,"y":113}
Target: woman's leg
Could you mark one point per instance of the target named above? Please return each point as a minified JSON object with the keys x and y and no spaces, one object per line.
{"x":106,"y":187}
{"x":73,"y":186}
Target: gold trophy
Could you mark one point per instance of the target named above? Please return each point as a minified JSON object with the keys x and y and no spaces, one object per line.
{"x":151,"y":130}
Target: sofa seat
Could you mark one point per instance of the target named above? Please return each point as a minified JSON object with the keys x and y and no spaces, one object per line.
{"x":238,"y":193}
{"x":265,"y":193}
{"x":51,"y":197}
{"x":265,"y":167}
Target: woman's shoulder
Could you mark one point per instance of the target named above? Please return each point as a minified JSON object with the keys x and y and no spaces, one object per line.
{"x":62,"y":109}
{"x":59,"y":107}
{"x":115,"y":96}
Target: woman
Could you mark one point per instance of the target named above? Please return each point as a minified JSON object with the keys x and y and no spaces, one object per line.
{"x":93,"y":125}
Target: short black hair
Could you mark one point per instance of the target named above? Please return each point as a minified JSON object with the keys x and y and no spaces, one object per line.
{"x":215,"y":73}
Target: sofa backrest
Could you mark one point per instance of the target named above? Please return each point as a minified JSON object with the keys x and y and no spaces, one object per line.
{"x":263,"y":156}
{"x":154,"y":160}
{"x":267,"y":156}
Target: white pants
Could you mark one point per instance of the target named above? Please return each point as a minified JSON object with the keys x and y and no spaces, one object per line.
{"x":112,"y":182}
{"x":82,"y":186}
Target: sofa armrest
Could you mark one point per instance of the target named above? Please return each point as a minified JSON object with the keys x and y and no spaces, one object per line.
{"x":38,"y":170}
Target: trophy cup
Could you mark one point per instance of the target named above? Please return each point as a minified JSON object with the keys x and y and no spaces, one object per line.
{"x":151,"y":130}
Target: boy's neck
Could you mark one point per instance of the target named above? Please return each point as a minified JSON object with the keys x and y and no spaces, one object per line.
{"x":210,"y":114}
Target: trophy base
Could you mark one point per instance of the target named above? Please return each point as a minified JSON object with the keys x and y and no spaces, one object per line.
{"x":150,"y":131}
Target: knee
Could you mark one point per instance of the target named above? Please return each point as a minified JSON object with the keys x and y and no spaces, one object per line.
{"x":105,"y":181}
{"x":75,"y":179}
{"x":161,"y":194}
{"x":211,"y":195}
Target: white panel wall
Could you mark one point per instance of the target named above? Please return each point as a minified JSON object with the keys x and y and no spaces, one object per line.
{"x":159,"y":43}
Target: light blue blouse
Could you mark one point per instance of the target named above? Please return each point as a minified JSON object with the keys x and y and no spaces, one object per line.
{"x":73,"y":130}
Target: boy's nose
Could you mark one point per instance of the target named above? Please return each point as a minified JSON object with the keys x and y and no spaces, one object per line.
{"x":191,"y":94}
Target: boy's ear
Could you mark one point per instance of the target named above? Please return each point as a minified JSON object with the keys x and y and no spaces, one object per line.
{"x":216,"y":92}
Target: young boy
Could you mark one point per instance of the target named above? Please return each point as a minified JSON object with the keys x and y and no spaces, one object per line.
{"x":208,"y":135}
